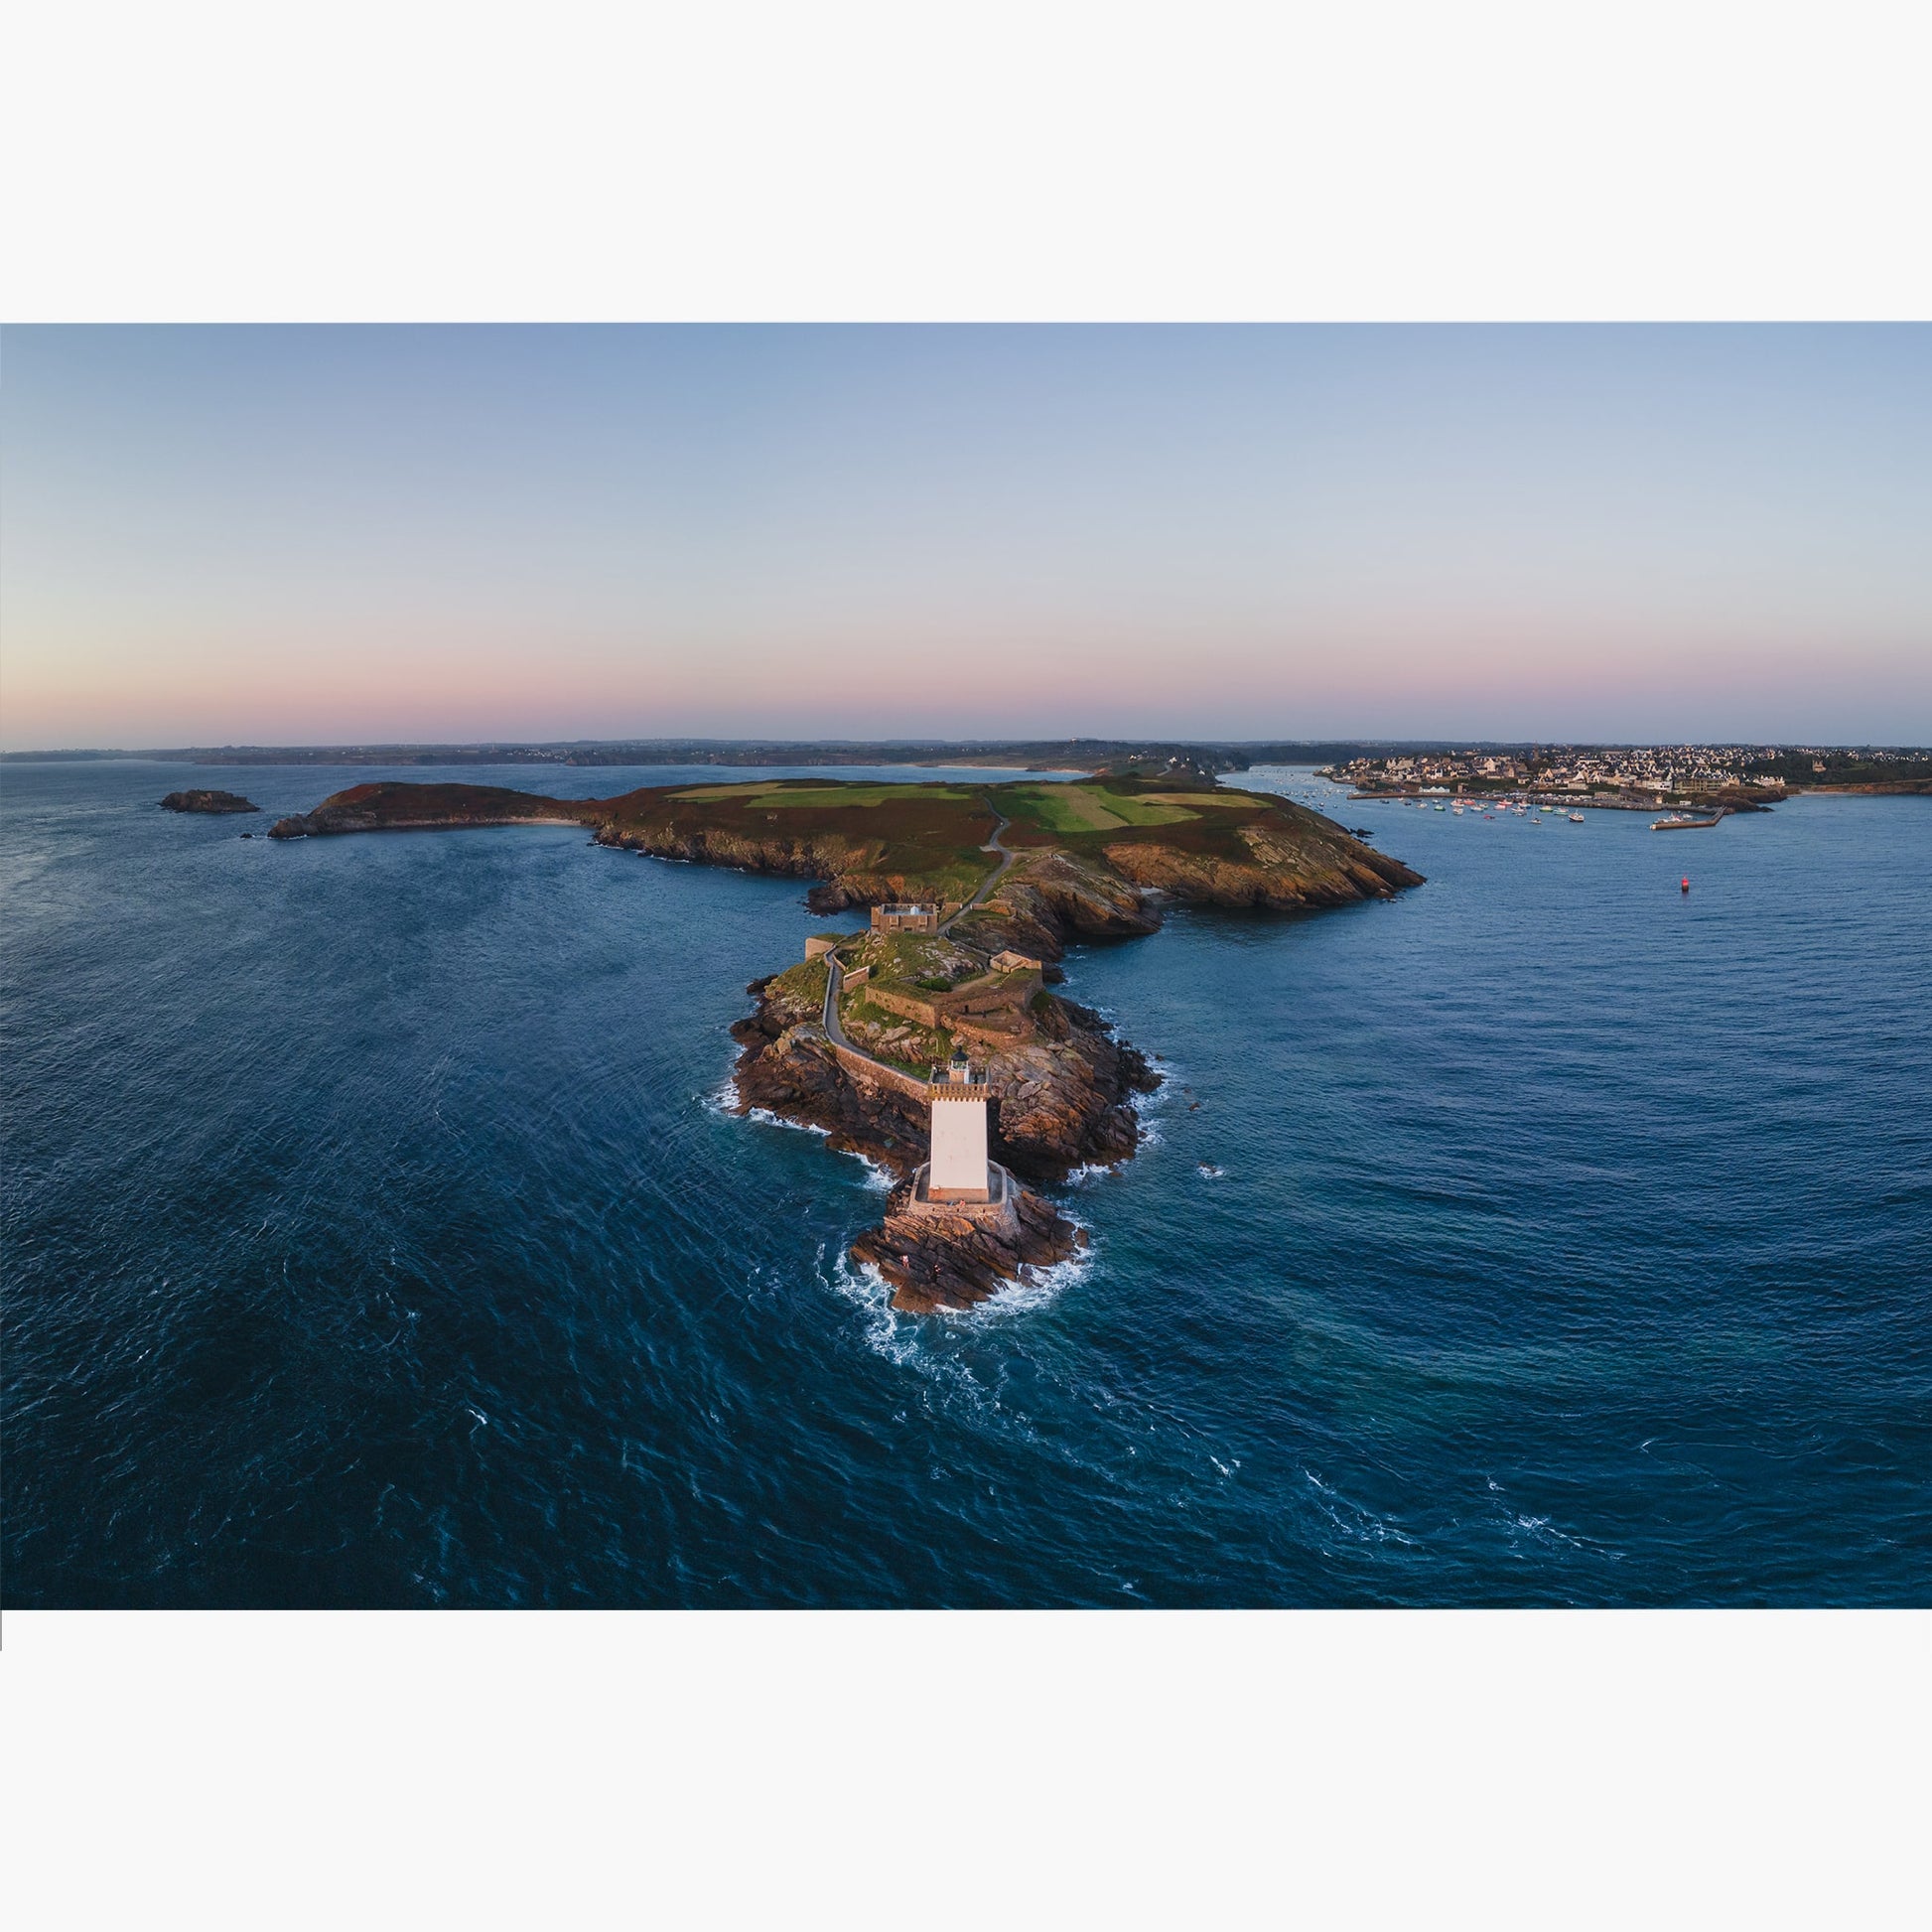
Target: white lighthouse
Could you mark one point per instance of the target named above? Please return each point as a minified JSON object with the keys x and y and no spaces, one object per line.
{"x":958,"y":1181}
{"x":959,"y":1168}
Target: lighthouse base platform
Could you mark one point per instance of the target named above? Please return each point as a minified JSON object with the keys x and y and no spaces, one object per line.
{"x":997,"y":1209}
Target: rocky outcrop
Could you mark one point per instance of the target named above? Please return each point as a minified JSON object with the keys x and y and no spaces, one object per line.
{"x":207,"y":801}
{"x":935,"y":1261}
{"x":1064,"y":1095}
{"x":1051,"y":899}
{"x":782,"y":855}
{"x":1735,"y":798}
{"x":1067,"y":1096}
{"x":1285,"y":871}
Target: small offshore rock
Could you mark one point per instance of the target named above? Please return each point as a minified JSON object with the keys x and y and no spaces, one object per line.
{"x":208,"y":801}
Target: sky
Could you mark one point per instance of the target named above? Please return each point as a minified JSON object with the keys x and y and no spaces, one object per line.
{"x":313,"y":535}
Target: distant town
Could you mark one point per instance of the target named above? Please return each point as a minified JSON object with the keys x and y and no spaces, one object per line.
{"x":1639,"y":774}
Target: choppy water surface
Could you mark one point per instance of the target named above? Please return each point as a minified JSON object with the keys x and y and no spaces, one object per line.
{"x":372,"y":1234}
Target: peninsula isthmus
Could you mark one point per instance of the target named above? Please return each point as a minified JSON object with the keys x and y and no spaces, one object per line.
{"x":932,"y":1041}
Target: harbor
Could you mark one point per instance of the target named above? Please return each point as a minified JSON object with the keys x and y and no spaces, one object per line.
{"x":1677,"y":822}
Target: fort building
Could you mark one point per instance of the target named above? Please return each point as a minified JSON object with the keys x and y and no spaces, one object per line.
{"x":909,"y":917}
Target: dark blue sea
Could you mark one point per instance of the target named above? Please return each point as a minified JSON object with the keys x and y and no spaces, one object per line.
{"x":374,"y":1234}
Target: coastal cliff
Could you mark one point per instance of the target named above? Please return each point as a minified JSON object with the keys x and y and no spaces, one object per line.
{"x":1281,"y":872}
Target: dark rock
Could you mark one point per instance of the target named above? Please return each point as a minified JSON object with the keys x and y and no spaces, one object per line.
{"x":207,"y":801}
{"x":951,"y":1261}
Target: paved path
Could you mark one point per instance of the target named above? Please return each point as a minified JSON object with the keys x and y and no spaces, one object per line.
{"x":999,"y":871}
{"x":834,"y":975}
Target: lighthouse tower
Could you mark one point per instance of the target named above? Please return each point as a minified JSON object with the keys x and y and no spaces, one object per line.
{"x":959,"y":1170}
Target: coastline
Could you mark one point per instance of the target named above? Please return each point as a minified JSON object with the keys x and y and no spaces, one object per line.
{"x":835,"y":1043}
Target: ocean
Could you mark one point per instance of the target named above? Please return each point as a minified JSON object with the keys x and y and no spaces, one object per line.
{"x":376,"y":1233}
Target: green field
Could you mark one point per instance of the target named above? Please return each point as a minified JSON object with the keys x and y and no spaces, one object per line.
{"x":861,"y":795}
{"x":1064,"y":808}
{"x":1147,"y":810}
{"x":1073,"y":809}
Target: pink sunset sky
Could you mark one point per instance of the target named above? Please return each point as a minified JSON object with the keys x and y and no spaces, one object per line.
{"x":311,"y":535}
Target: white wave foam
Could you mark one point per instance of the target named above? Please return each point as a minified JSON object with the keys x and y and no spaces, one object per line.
{"x":767,"y":1118}
{"x":1366,"y":1526}
{"x":1545,"y":1530}
{"x":1038,"y":1289}
{"x":901,"y":1338}
{"x":880,"y":1179}
{"x":887,"y":1333}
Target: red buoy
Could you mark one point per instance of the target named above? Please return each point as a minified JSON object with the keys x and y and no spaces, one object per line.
{"x":1684,"y":885}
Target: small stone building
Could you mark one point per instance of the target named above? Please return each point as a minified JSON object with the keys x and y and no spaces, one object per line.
{"x":909,"y":918}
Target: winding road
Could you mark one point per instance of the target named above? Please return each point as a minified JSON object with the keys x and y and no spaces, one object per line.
{"x":999,"y":871}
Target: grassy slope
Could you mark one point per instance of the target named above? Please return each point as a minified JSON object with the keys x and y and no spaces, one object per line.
{"x":929,"y":834}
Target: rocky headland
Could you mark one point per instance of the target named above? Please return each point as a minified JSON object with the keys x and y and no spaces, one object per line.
{"x":1064,"y":1084}
{"x":208,"y":801}
{"x":394,"y":808}
{"x":1018,"y":873}
{"x":955,"y":1262}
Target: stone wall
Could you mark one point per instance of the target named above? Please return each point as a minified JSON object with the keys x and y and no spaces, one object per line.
{"x":989,"y":1001}
{"x":874,"y":1073}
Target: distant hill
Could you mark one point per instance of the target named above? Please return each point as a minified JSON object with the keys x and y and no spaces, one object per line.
{"x":1891,"y":768}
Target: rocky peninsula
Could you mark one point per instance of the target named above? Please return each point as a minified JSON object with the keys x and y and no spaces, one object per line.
{"x":208,"y":801}
{"x":845,"y":1039}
